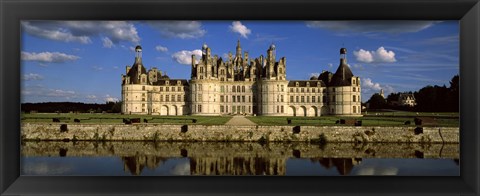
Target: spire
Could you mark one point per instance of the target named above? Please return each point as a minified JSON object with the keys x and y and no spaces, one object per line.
{"x":239,"y":49}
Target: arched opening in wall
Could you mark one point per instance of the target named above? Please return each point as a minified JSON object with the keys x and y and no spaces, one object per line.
{"x":302,"y":111}
{"x":312,"y":111}
{"x":164,"y":110}
{"x":324,"y":110}
{"x":291,"y":111}
{"x":174,"y":110}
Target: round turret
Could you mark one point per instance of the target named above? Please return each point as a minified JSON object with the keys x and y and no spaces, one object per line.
{"x":343,"y":51}
{"x":138,"y":48}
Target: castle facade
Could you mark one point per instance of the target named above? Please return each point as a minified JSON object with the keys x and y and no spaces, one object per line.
{"x":240,"y":85}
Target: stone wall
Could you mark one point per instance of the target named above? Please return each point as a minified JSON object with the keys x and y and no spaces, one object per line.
{"x":160,"y":132}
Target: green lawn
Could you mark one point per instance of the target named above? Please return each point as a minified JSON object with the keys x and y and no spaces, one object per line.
{"x":118,"y":118}
{"x":331,"y":121}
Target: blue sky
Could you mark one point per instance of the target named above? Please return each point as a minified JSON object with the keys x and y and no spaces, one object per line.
{"x":82,"y":61}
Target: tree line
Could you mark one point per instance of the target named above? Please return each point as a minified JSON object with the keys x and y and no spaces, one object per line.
{"x":428,"y":99}
{"x":64,"y":107}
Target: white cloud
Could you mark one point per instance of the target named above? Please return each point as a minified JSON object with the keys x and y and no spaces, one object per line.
{"x":48,"y":57}
{"x":185,"y":57}
{"x":379,"y":56}
{"x":314,"y":75}
{"x":368,"y":86}
{"x":107,"y":43}
{"x":358,"y":66}
{"x":109,"y":98}
{"x":82,"y":31}
{"x":392,"y":27}
{"x":160,"y":48}
{"x":97,"y":68}
{"x":91,"y":97}
{"x":238,"y":27}
{"x":179,"y":29}
{"x":330,"y":65}
{"x":32,"y":76}
{"x":115,"y":67}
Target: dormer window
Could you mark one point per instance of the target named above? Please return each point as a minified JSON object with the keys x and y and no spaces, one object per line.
{"x":167,"y":82}
{"x":297,"y":84}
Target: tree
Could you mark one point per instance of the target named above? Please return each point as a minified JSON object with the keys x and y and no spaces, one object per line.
{"x":377,"y":102}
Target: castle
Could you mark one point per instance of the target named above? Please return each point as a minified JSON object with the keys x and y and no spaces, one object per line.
{"x":240,"y":85}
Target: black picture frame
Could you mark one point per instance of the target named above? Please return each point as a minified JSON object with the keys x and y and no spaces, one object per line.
{"x":12,"y":12}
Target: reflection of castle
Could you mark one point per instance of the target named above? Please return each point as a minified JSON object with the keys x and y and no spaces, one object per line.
{"x":237,"y":166}
{"x":136,"y":164}
{"x":240,"y":85}
{"x":344,"y":165}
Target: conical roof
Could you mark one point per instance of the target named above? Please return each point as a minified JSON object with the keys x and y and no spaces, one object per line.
{"x":342,"y":76}
{"x":137,"y":69}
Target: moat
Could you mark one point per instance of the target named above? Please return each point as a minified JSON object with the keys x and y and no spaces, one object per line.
{"x":237,"y":158}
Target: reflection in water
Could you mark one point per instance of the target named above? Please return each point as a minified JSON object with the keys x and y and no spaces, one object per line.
{"x":241,"y":158}
{"x":135,"y":164}
{"x":344,"y":165}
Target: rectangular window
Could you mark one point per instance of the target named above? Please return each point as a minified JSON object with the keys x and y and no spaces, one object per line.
{"x":233,"y":98}
{"x":354,"y":98}
{"x":291,"y":90}
{"x":281,"y":109}
{"x":302,"y":90}
{"x":233,"y":88}
{"x":167,"y":88}
{"x":221,"y":98}
{"x":308,"y":90}
{"x":296,"y":99}
{"x":173,"y":89}
{"x":179,"y":88}
{"x":161,"y":89}
{"x":354,"y":89}
{"x":249,"y":99}
{"x":308,"y":99}
{"x":167,"y":98}
{"x":243,"y":89}
{"x":303,"y":99}
{"x":222,"y":89}
{"x":243,"y":99}
{"x":199,"y":108}
{"x":354,"y":108}
{"x":179,"y":98}
{"x":282,"y":87}
{"x":200,"y":97}
{"x":221,"y":109}
{"x":226,"y":108}
{"x":281,"y":98}
{"x":238,"y":88}
{"x":143,"y":88}
{"x":313,"y":90}
{"x":249,"y":109}
{"x":226,"y":99}
{"x":291,"y":99}
{"x":333,"y":89}
{"x":296,"y":89}
{"x":313,"y":99}
{"x":334,"y":98}
{"x":143,"y":99}
{"x":238,"y":98}
{"x":278,"y":109}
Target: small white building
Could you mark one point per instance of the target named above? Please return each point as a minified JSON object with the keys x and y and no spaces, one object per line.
{"x":406,"y":99}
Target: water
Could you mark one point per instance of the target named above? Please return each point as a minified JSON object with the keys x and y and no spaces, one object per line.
{"x":291,"y":159}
